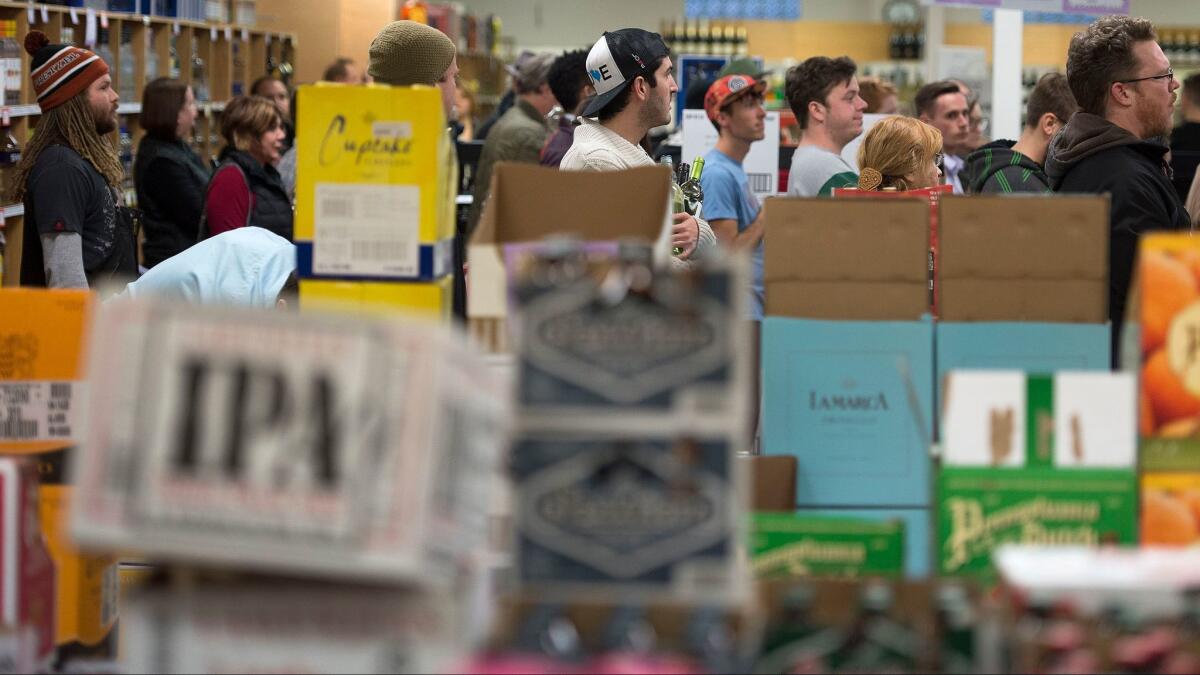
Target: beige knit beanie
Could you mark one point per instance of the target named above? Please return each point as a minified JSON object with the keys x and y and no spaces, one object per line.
{"x":407,"y":52}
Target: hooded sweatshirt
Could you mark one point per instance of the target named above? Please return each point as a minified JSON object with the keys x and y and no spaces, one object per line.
{"x":997,"y":168}
{"x":246,"y":267}
{"x":1093,"y":155}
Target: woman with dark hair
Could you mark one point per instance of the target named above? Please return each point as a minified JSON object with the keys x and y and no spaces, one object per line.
{"x":169,"y":177}
{"x":246,"y":189}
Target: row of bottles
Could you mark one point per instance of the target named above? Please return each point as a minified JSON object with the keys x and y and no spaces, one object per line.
{"x":470,"y":33}
{"x":906,"y":42}
{"x":1180,"y":46}
{"x":10,"y":53}
{"x":700,"y":36}
{"x":686,"y":194}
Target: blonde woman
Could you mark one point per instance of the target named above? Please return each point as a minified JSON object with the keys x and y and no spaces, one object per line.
{"x":900,"y":153}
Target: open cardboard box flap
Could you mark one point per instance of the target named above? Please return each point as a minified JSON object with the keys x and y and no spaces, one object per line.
{"x":1024,"y":258}
{"x":529,"y":203}
{"x":861,"y":259}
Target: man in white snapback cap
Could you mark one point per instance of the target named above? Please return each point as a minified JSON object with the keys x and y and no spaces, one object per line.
{"x":634,"y":78}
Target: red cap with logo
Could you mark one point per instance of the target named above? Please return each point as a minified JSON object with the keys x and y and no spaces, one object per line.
{"x":725,"y":90}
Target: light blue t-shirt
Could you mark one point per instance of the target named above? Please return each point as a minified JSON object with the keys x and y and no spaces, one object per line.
{"x":727,"y":196}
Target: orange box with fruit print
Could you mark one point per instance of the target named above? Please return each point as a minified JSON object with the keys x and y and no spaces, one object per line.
{"x":1164,"y":311}
{"x":1165,"y":307}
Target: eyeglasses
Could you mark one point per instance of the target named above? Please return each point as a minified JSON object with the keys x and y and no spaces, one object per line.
{"x":1170,"y":74}
{"x":939,"y":159}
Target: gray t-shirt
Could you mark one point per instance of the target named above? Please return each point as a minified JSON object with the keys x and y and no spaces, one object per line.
{"x":816,"y":172}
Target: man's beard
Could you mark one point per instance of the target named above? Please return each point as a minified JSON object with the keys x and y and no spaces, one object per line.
{"x":106,"y":121}
{"x":655,"y":114}
{"x":1154,"y":122}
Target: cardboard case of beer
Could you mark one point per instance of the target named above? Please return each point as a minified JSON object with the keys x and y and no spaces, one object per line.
{"x":1034,"y":459}
{"x":376,"y":181}
{"x":314,"y":444}
{"x":42,"y":367}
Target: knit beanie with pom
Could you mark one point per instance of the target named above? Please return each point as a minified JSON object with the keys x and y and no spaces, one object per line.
{"x":407,"y":52}
{"x":60,"y":72}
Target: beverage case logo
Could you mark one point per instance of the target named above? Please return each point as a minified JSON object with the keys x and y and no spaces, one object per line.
{"x":976,"y":532}
{"x":800,"y":557}
{"x":627,"y":352}
{"x":388,"y":143}
{"x":625,"y":513}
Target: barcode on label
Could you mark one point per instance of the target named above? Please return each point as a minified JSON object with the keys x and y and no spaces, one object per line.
{"x":760,"y":182}
{"x":379,"y":250}
{"x":332,"y":207}
{"x":60,"y":390}
{"x":15,"y":427}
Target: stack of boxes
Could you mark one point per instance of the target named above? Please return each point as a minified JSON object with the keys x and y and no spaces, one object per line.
{"x":847,"y":359}
{"x":853,"y":365}
{"x":375,"y":189}
{"x":632,"y":397}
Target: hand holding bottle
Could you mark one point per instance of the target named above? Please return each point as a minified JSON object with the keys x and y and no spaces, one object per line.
{"x":685,"y":235}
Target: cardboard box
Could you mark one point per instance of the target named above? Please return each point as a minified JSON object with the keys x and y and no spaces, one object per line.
{"x":529,"y":203}
{"x":790,"y":545}
{"x":431,"y":299}
{"x":1031,"y":347}
{"x":918,"y":533}
{"x":630,"y":517}
{"x":361,"y":447}
{"x":375,"y":184}
{"x":43,"y":333}
{"x":853,"y":402}
{"x":1162,"y":330}
{"x":670,"y":355}
{"x":27,"y":576}
{"x":1044,"y":460}
{"x":862,"y":259}
{"x":774,"y":481}
{"x":1024,"y":258}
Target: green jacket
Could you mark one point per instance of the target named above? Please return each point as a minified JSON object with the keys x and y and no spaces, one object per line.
{"x":518,"y":136}
{"x":998,"y":169}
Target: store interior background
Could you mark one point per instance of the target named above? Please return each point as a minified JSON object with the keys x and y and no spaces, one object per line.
{"x":856,"y":28}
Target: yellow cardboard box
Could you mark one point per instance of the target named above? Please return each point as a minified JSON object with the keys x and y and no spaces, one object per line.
{"x":376,"y":182}
{"x":431,"y":299}
{"x":42,"y":334}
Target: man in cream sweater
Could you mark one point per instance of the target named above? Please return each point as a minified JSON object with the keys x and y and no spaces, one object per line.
{"x":634,"y":78}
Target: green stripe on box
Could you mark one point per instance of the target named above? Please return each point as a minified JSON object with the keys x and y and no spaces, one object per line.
{"x":1039,"y":421}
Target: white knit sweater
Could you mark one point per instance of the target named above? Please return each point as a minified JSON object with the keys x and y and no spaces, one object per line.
{"x":596,"y":148}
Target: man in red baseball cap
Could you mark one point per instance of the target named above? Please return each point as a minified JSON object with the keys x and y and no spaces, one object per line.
{"x":734,"y":105}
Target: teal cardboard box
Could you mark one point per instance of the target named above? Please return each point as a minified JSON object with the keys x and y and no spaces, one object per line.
{"x":1031,"y":347}
{"x":852,"y":401}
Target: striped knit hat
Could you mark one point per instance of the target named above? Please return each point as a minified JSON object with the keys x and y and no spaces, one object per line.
{"x":60,"y":72}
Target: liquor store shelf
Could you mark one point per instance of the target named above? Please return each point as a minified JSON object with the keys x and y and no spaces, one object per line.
{"x":13,"y":210}
{"x":123,"y":109}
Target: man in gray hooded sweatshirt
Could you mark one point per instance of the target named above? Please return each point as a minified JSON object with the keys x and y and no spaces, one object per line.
{"x":1126,"y":93}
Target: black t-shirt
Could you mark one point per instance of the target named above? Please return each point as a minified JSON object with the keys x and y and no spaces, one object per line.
{"x":67,"y":194}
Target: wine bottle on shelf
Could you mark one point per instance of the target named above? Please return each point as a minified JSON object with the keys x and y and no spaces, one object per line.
{"x":10,"y":157}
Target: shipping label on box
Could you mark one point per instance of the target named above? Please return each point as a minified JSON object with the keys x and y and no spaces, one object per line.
{"x":853,"y":402}
{"x":300,"y":442}
{"x":978,"y":509}
{"x":375,"y":184}
{"x":787,"y":545}
{"x":630,"y":516}
{"x":612,"y":340}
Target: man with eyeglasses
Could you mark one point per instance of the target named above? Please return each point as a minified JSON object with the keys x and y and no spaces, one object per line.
{"x":1126,"y":93}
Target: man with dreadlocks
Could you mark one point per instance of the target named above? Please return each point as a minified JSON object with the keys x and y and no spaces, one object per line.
{"x":74,"y":233}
